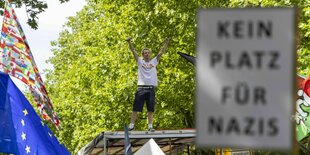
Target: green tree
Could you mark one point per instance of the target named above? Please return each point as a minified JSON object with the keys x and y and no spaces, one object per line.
{"x":94,"y":78}
{"x":304,"y":41}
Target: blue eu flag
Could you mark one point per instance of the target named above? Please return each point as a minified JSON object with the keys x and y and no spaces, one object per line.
{"x":21,"y":130}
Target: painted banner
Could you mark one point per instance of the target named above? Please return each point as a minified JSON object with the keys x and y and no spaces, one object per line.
{"x":302,"y":116}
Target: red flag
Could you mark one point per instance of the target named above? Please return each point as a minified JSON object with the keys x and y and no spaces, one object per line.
{"x":16,"y":59}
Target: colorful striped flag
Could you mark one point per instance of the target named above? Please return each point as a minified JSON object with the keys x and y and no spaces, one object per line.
{"x":16,"y":59}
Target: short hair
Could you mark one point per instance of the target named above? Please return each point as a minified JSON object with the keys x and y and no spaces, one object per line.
{"x":144,"y":50}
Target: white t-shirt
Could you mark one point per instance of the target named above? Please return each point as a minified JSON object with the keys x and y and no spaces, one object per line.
{"x":147,"y":74}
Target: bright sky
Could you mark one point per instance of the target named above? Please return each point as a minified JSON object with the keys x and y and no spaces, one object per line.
{"x":50,"y":25}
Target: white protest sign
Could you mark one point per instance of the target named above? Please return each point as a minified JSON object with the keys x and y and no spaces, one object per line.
{"x":245,"y":78}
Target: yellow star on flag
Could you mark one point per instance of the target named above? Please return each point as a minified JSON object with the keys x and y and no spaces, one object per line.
{"x":27,"y":149}
{"x":25,"y":112}
{"x":23,"y":122}
{"x":23,"y":136}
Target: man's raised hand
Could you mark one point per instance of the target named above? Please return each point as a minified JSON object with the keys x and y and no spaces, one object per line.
{"x":167,"y":40}
{"x":128,"y":39}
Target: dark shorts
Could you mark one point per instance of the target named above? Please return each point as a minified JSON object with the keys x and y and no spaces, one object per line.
{"x":144,"y":94}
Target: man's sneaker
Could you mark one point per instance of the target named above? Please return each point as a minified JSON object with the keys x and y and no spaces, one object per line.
{"x":131,"y":129}
{"x":151,"y":129}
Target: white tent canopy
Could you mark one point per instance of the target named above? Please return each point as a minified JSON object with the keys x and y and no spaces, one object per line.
{"x":150,"y":148}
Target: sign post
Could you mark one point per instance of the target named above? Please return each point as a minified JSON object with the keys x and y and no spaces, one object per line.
{"x":245,"y":78}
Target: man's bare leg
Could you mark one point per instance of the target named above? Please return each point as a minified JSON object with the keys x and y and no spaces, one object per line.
{"x":150,"y":121}
{"x":133,"y":120}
